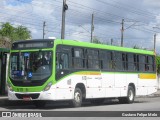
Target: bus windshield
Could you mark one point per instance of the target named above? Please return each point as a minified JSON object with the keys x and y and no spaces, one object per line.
{"x":31,"y":65}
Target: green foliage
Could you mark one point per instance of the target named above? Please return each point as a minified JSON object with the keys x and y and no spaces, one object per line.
{"x":14,"y":33}
{"x":158,"y":64}
{"x":96,"y":40}
{"x":136,"y":47}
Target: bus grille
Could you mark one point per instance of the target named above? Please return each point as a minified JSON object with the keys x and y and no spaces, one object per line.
{"x":33,"y":96}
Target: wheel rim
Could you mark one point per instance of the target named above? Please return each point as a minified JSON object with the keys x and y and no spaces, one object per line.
{"x":77,"y":97}
{"x":130,"y":95}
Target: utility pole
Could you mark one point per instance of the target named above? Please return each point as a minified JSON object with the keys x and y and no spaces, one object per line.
{"x":122,"y":30}
{"x":65,"y":7}
{"x":111,"y":41}
{"x":92,"y":27}
{"x":155,"y":42}
{"x":44,"y":25}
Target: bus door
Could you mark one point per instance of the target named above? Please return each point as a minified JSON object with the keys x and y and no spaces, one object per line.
{"x":93,"y":75}
{"x":3,"y":63}
{"x":63,"y":73}
{"x":108,"y":75}
{"x":120,"y":61}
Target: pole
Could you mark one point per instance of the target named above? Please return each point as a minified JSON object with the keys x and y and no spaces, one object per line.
{"x":44,"y":25}
{"x":155,"y":42}
{"x":92,"y":28}
{"x":65,"y":7}
{"x":111,"y":41}
{"x":122,"y":30}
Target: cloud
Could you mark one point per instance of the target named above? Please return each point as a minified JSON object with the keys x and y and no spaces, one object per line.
{"x":152,"y":4}
{"x":144,"y":14}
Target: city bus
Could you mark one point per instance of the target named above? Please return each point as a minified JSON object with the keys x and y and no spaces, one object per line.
{"x":4,"y":59}
{"x":44,"y":70}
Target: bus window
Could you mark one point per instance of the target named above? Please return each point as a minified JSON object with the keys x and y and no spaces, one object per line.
{"x":62,"y":61}
{"x":131,"y":66}
{"x":92,"y":59}
{"x":77,"y":58}
{"x":149,"y":66}
{"x":118,"y":61}
{"x":142,"y":61}
{"x":136,"y":62}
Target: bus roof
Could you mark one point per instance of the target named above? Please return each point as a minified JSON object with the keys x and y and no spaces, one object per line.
{"x":103,"y":46}
{"x":90,"y":45}
{"x":34,"y":40}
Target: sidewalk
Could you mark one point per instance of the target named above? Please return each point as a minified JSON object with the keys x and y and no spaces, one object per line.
{"x":156,"y":94}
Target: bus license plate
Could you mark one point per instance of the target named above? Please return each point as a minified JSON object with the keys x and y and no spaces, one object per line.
{"x":27,"y":98}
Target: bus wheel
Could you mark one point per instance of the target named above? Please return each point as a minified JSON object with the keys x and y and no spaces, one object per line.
{"x":77,"y":101}
{"x":130,"y":96}
{"x":39,"y":104}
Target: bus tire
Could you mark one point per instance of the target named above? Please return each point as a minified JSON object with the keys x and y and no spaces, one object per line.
{"x":39,"y":104}
{"x":77,"y":101}
{"x":130,"y":96}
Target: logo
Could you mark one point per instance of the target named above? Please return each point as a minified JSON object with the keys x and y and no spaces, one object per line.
{"x":29,"y":74}
{"x":6,"y":114}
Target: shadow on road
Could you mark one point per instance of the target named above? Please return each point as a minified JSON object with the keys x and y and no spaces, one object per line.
{"x":58,"y":105}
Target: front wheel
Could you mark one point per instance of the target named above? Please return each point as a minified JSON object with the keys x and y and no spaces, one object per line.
{"x":77,"y":101}
{"x":130,"y":96}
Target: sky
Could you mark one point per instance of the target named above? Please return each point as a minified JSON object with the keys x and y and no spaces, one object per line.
{"x":141,"y":20}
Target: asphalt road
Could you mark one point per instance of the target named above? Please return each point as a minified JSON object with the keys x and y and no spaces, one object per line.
{"x":63,"y":111}
{"x":140,"y":104}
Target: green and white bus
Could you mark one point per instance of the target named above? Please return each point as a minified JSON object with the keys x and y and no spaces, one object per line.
{"x":54,"y":69}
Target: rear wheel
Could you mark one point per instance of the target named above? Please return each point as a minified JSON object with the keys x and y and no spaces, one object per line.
{"x":130,"y":96}
{"x":77,"y":101}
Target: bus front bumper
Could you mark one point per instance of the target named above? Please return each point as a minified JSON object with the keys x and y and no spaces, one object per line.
{"x":52,"y":94}
{"x":31,"y":95}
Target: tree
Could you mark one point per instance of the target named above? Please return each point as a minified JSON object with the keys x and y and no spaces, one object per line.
{"x":136,"y":47}
{"x":7,"y":30}
{"x":158,"y":64}
{"x":96,"y":40}
{"x":22,"y":32}
{"x":14,"y":33}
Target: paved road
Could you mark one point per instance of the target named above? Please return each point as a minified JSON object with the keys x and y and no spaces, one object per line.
{"x":148,"y":104}
{"x":140,"y":104}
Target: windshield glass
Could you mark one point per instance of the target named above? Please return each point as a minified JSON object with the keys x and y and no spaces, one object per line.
{"x":31,"y":65}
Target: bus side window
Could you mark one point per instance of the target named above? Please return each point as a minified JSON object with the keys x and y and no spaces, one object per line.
{"x":62,"y":61}
{"x":142,"y":61}
{"x":136,"y":62}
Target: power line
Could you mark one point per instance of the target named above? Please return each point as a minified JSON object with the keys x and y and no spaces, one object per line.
{"x":86,"y":7}
{"x":123,"y":8}
{"x":133,"y":8}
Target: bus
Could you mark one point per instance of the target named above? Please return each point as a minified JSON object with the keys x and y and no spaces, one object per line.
{"x":44,"y":70}
{"x":4,"y":59}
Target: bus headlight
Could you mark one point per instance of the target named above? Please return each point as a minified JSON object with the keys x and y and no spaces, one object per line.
{"x":48,"y":86}
{"x":9,"y":87}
